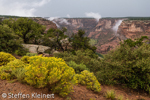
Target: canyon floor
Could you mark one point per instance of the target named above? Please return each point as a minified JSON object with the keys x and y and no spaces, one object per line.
{"x":80,"y":92}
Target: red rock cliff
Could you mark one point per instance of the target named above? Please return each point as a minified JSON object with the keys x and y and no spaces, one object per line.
{"x":49,"y":24}
{"x":134,"y":28}
{"x":103,"y":32}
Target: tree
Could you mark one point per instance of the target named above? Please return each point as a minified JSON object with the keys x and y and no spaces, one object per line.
{"x":27,"y":29}
{"x":138,"y":42}
{"x":9,"y":41}
{"x":53,"y":37}
{"x":80,"y":42}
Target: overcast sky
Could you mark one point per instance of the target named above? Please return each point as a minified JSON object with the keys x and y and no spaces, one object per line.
{"x":76,"y":8}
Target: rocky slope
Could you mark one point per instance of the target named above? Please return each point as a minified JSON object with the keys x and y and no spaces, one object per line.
{"x":107,"y":32}
{"x":47,"y":23}
{"x":74,"y":24}
{"x":134,"y":28}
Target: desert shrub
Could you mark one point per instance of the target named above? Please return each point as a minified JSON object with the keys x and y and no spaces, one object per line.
{"x":85,"y":57}
{"x":127,"y":65}
{"x":100,"y":55}
{"x":110,"y":94}
{"x":25,"y":59}
{"x":88,"y":79}
{"x":87,"y":52}
{"x":13,"y":70}
{"x":5,"y":58}
{"x":77,"y":67}
{"x":19,"y":73}
{"x":31,"y":54}
{"x":21,"y":51}
{"x":49,"y":51}
{"x":50,"y":72}
{"x":67,"y":56}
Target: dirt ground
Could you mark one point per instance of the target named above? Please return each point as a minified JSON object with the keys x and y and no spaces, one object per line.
{"x":14,"y":90}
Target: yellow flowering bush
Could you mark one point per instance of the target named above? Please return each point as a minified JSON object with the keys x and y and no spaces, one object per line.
{"x":25,"y":59}
{"x":5,"y":58}
{"x":50,"y":72}
{"x":12,"y":70}
{"x":88,"y":79}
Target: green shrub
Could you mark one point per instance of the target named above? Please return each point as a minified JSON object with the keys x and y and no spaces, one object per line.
{"x":88,"y":79}
{"x":10,"y":71}
{"x":5,"y":58}
{"x":110,"y":94}
{"x":120,"y":97}
{"x":50,"y":72}
{"x":21,"y":51}
{"x":77,"y":67}
{"x":82,"y":57}
{"x":100,"y":55}
{"x":31,"y":54}
{"x":67,"y":56}
{"x":127,"y":65}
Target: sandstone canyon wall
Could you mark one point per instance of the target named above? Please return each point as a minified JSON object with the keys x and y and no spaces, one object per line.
{"x":104,"y":33}
{"x":49,"y":24}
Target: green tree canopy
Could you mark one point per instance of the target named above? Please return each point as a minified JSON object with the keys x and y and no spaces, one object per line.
{"x":137,"y":42}
{"x":27,"y":29}
{"x":80,"y":42}
{"x":9,"y":41}
{"x":53,"y":37}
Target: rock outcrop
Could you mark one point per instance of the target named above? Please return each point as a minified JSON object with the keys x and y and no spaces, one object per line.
{"x":36,"y":48}
{"x":49,"y":24}
{"x":134,"y":28}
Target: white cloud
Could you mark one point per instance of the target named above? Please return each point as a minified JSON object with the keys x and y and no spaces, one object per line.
{"x":97,"y":16}
{"x":59,"y":20}
{"x":68,"y":15}
{"x":20,"y":8}
{"x":53,"y":20}
{"x":115,"y":28}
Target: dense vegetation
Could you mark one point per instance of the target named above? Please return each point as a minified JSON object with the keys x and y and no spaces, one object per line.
{"x":9,"y":40}
{"x":26,"y":29}
{"x":128,"y":64}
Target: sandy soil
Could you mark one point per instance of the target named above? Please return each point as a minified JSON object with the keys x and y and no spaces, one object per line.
{"x":80,"y":93}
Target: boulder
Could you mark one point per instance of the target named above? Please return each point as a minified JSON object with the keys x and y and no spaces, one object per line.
{"x":36,"y":48}
{"x":56,"y":52}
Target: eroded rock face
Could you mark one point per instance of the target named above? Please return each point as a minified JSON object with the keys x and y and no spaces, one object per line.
{"x":74,"y":24}
{"x":103,"y":31}
{"x":49,"y":24}
{"x":134,"y":29}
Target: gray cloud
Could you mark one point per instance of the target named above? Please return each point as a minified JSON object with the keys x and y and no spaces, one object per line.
{"x":59,"y":20}
{"x":76,"y":8}
{"x":97,"y":16}
{"x":20,"y":8}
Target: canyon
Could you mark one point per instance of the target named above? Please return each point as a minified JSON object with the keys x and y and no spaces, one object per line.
{"x":107,"y":32}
